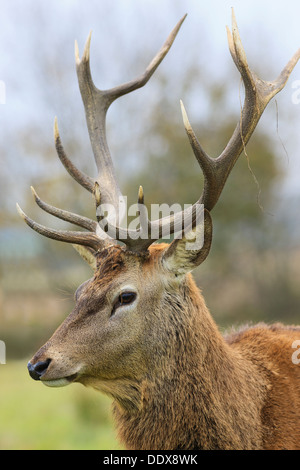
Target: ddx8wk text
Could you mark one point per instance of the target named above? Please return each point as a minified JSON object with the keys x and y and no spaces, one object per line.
{"x":174,"y":459}
{"x":151,"y":459}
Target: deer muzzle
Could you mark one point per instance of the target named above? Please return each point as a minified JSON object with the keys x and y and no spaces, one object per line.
{"x":38,"y":370}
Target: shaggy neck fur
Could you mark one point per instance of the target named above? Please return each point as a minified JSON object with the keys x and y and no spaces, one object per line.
{"x":197,"y":392}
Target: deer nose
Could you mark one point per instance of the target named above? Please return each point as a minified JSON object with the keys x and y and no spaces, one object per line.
{"x":37,"y":370}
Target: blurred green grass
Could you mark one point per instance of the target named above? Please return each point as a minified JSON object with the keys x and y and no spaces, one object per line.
{"x":35,"y":417}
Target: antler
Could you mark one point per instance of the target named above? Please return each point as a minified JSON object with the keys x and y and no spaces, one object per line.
{"x":258,"y":93}
{"x":96,"y":103}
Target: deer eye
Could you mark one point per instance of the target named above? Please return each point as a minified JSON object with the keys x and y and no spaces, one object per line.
{"x":125,"y":298}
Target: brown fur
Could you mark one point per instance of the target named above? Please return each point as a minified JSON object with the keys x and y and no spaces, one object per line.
{"x":177,"y":383}
{"x":270,"y":346}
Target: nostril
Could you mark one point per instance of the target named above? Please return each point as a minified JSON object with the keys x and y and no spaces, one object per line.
{"x":37,"y":370}
{"x":41,"y":367}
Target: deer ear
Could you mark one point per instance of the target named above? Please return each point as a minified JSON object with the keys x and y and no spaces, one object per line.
{"x":185,"y":254}
{"x":88,"y":254}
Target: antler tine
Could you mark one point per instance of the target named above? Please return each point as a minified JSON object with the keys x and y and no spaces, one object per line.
{"x":75,"y":219}
{"x":258,"y":93}
{"x":96,"y":103}
{"x":143,"y":79}
{"x":79,"y":238}
{"x":84,"y":180}
{"x":207,"y":164}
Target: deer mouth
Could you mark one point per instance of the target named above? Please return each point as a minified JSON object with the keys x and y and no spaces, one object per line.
{"x":61,"y":382}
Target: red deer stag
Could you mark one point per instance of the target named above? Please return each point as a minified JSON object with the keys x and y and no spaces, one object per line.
{"x":140,"y":330}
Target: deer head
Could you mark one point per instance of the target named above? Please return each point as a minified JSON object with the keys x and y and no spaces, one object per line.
{"x":127,"y":316}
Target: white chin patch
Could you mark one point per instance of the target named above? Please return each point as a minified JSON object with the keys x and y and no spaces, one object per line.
{"x":56,"y":383}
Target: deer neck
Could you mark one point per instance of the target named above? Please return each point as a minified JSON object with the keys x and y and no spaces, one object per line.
{"x":200,"y":393}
